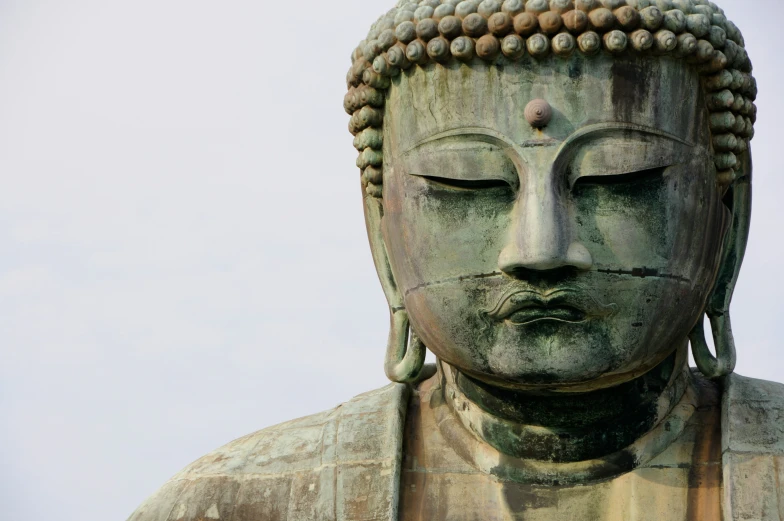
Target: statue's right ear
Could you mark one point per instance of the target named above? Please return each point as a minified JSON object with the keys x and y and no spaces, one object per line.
{"x":374,"y":215}
{"x":738,"y":200}
{"x":404,"y":359}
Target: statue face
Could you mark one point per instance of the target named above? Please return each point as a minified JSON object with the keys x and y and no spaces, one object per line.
{"x":571,"y":257}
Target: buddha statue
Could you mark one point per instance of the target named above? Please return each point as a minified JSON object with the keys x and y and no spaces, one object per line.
{"x":557,"y":195}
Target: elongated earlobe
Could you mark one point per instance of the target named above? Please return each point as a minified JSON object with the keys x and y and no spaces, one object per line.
{"x":405,"y":356}
{"x":738,"y":200}
{"x":724,"y":362}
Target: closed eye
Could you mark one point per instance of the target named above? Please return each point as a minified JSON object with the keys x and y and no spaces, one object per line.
{"x":478,"y":184}
{"x":628,"y":178}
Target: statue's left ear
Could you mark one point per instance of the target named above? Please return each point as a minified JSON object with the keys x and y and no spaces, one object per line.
{"x":404,"y":358}
{"x":738,"y":200}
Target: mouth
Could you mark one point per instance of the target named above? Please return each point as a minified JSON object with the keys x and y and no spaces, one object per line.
{"x":519,"y":307}
{"x":535,"y":313}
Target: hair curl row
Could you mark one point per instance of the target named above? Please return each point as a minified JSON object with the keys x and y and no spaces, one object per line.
{"x":439,"y":31}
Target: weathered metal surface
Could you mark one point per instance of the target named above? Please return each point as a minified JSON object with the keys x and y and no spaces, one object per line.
{"x":487,"y":220}
{"x":726,"y":462}
{"x":339,"y":465}
{"x":753,"y":449}
{"x":681,"y":483}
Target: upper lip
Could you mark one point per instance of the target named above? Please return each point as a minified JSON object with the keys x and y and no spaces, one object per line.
{"x":519,"y":299}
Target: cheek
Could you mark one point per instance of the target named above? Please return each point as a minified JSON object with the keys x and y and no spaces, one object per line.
{"x":657,"y":246}
{"x":671,"y":225}
{"x":436,"y":234}
{"x":448,"y":317}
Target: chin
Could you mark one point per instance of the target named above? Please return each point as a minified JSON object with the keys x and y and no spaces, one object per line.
{"x":575,"y":378}
{"x":549,"y":352}
{"x":574,"y":362}
{"x":546,"y":376}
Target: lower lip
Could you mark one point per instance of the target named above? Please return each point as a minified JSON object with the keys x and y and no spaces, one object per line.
{"x":535,"y":314}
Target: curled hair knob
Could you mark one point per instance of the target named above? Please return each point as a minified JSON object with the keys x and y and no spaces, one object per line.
{"x":538,"y":113}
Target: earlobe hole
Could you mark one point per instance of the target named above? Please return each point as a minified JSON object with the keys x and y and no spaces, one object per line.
{"x":708,"y":340}
{"x":729,"y":198}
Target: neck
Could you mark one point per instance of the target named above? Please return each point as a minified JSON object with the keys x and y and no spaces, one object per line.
{"x":562,"y":428}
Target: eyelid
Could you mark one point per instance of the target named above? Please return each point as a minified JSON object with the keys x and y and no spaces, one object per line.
{"x":460,"y":184}
{"x":462,"y":158}
{"x":625,"y":177}
{"x":609,"y":128}
{"x":615,"y":155}
{"x":575,"y":174}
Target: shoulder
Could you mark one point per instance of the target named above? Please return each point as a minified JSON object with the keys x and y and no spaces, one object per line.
{"x":753,"y":415}
{"x":294,"y":470}
{"x":753,"y":447}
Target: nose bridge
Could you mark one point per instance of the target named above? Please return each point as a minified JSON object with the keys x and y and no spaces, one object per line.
{"x":538,"y":231}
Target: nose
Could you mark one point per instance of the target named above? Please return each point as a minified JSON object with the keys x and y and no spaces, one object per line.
{"x":540,"y":235}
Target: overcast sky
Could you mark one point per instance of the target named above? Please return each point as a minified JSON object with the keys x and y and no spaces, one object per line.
{"x":182,"y":253}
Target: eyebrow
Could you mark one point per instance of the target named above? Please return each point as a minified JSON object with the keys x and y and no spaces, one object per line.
{"x":597,"y":128}
{"x":493,"y":136}
{"x":487,"y":135}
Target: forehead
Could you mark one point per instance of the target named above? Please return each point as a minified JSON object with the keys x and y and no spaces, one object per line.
{"x":657,"y":92}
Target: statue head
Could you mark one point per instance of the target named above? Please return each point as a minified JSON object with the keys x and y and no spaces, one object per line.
{"x":556,"y":192}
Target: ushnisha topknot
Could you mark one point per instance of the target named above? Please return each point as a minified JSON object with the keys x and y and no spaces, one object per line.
{"x":437,"y":31}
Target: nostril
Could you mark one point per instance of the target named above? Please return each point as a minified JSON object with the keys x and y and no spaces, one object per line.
{"x":578,"y":256}
{"x":544,"y":278}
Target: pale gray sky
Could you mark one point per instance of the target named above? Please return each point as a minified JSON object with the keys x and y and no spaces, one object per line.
{"x":182,"y":253}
